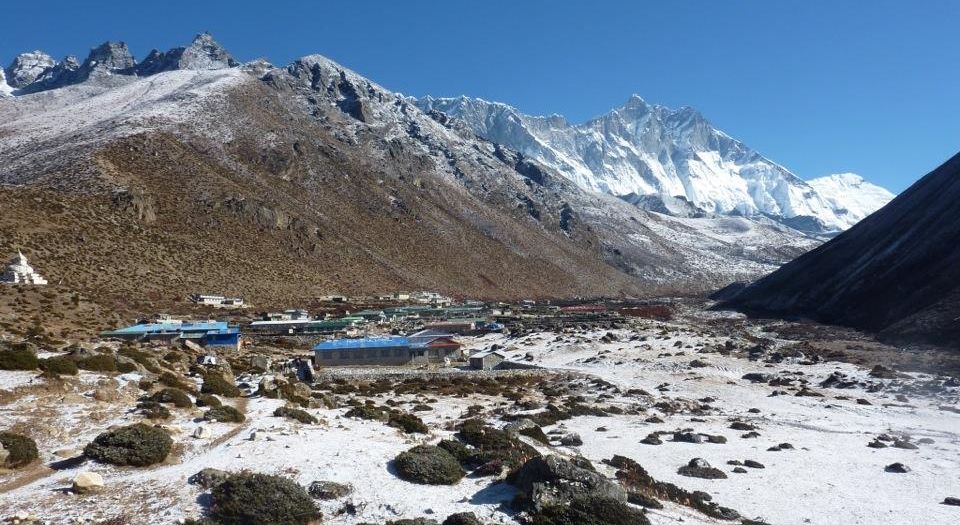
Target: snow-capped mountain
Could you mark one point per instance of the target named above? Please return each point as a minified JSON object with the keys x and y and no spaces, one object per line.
{"x":316,"y":170}
{"x":646,"y":149}
{"x":850,"y":193}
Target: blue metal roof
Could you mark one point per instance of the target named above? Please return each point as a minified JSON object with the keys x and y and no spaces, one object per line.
{"x":153,"y":328}
{"x":369,"y":342}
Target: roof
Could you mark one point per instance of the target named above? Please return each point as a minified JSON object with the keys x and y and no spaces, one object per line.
{"x":486,"y":353}
{"x":425,"y":337}
{"x":369,"y":342}
{"x":154,"y":328}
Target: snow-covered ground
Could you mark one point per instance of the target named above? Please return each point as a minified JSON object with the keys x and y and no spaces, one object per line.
{"x":830,"y":476}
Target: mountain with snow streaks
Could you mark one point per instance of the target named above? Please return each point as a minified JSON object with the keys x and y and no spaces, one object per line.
{"x":645,"y":149}
{"x":312,"y":170}
{"x":850,"y":193}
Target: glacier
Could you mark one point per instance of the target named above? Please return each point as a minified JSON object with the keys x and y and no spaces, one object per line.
{"x":641,"y":149}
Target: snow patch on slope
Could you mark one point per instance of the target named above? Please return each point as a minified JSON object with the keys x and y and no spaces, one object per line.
{"x":850,"y":193}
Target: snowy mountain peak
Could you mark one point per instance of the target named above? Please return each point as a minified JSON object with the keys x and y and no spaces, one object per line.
{"x":26,"y":67}
{"x":851,"y":195}
{"x":645,"y":149}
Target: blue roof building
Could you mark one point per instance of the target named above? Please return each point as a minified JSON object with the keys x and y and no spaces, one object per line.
{"x":207,"y":333}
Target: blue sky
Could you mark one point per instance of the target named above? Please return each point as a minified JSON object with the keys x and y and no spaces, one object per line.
{"x":819,"y":86}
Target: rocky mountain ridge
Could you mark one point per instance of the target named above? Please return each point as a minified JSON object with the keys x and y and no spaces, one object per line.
{"x":645,"y":149}
{"x":216,"y":176}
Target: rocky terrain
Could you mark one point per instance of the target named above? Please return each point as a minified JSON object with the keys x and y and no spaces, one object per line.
{"x":895,"y":273}
{"x":709,"y":418}
{"x":663,"y":154}
{"x":145,"y":181}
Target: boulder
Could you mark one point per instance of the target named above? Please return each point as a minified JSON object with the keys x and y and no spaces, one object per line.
{"x":202,"y":432}
{"x":209,"y":478}
{"x":462,"y":518}
{"x":552,"y":481}
{"x":897,"y":468}
{"x":87,"y":483}
{"x":699,"y":468}
{"x":327,"y":490}
{"x":571,"y":440}
{"x":952,"y":501}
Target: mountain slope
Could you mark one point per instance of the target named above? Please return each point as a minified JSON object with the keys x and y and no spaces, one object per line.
{"x":284,"y":182}
{"x":854,"y":197}
{"x":644,"y":149}
{"x":896,"y":272}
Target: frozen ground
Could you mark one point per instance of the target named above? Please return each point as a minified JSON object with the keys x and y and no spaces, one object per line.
{"x":830,"y":476}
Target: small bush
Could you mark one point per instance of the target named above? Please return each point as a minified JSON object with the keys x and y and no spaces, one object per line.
{"x":295,"y":413}
{"x":245,"y":499}
{"x":22,"y":450}
{"x":224,"y":414}
{"x":177,"y":397}
{"x":173,"y":380}
{"x":428,"y":465}
{"x":142,"y":358}
{"x":408,"y":423}
{"x":98,"y":363}
{"x":215,"y":383}
{"x":60,"y":366}
{"x":126,"y":367}
{"x":18,"y":359}
{"x":586,"y":510}
{"x":136,"y":445}
{"x":154,"y":410}
{"x":208,"y":400}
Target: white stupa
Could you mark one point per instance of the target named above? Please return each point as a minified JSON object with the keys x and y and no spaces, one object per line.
{"x":19,"y":271}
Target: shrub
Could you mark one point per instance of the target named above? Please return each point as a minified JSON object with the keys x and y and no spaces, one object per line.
{"x":262,"y":499}
{"x":590,"y":510}
{"x":142,"y":358}
{"x":295,"y":413}
{"x":177,"y":397}
{"x":368,"y":412}
{"x":21,"y":449}
{"x":173,"y":380}
{"x":18,"y":359}
{"x":59,"y":366}
{"x":408,"y":423}
{"x":126,"y":367}
{"x":154,"y":410}
{"x":208,"y":400}
{"x":98,"y":363}
{"x":224,"y":414}
{"x":495,"y":445}
{"x":136,"y":445}
{"x":428,"y":465}
{"x":457,"y":450}
{"x":215,"y":383}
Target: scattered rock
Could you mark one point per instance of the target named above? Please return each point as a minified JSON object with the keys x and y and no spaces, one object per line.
{"x":462,"y":518}
{"x":699,"y":468}
{"x":740,"y":470}
{"x":202,"y":432}
{"x":652,"y":439}
{"x":952,"y":501}
{"x":752,"y":464}
{"x":757,"y":377}
{"x":571,"y":440}
{"x":553,"y":481}
{"x":882,"y":372}
{"x":208,"y":478}
{"x":904,"y":444}
{"x":898,"y":468}
{"x":327,"y":490}
{"x":87,"y":483}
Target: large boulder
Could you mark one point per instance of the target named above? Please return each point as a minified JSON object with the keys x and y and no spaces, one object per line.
{"x":326,"y":490}
{"x":551,"y":481}
{"x":87,"y":483}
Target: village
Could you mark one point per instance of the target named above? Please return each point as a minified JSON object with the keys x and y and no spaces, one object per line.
{"x":494,"y":412}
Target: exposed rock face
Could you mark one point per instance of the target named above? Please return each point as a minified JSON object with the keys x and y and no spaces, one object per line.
{"x":109,"y":57}
{"x":27,"y":67}
{"x":551,"y":480}
{"x":203,"y":53}
{"x":897,"y":272}
{"x":649,"y":150}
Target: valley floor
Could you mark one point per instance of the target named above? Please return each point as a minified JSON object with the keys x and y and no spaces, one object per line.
{"x":679,"y":376}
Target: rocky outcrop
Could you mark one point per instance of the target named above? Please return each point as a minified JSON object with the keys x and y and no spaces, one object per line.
{"x":551,"y":480}
{"x":897,"y":272}
{"x":27,"y":67}
{"x":203,"y":53}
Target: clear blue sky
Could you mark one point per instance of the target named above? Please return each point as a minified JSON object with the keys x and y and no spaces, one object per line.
{"x":819,"y":86}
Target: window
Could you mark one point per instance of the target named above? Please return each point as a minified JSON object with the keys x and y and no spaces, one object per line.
{"x":385,"y":352}
{"x":344,"y":354}
{"x":326,"y":355}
